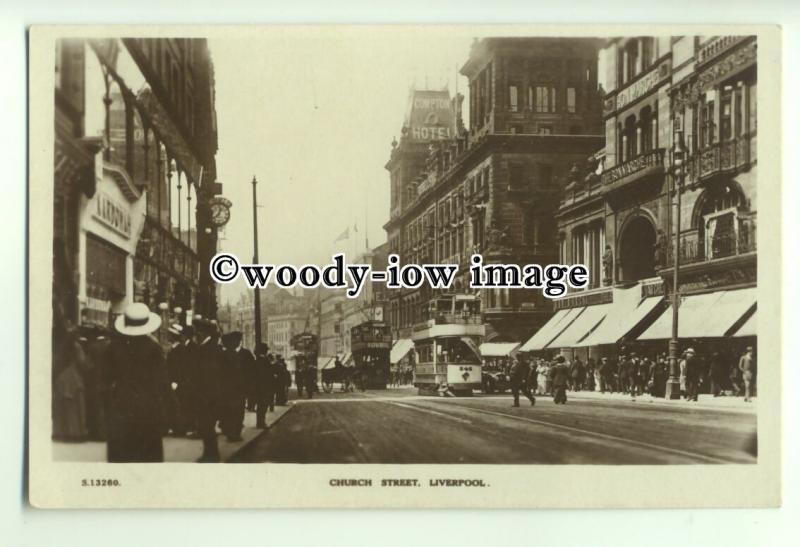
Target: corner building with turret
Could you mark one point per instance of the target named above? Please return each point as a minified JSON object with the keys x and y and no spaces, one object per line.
{"x":493,"y":187}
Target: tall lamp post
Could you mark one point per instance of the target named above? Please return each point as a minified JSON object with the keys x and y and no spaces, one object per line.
{"x":257,"y":296}
{"x":673,"y":389}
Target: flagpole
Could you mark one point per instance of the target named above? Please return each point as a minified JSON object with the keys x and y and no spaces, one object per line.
{"x":366,"y":219}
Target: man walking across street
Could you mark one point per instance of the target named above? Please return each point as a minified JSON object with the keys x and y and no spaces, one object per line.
{"x":519,"y":381}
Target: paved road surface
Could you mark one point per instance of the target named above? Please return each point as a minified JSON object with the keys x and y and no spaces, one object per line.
{"x":398,"y":427}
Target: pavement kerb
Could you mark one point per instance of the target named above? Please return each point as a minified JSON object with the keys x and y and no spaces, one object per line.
{"x":660,"y":402}
{"x":233,"y":454}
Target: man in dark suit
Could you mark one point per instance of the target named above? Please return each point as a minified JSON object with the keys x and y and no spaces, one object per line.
{"x":265,"y":380}
{"x":520,"y":370}
{"x":207,"y":357}
{"x":235,"y":361}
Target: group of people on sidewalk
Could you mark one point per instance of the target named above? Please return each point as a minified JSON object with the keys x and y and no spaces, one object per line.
{"x":634,"y":375}
{"x":123,"y":388}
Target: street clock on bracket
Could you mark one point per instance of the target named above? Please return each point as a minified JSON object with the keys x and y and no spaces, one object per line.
{"x":220,"y":210}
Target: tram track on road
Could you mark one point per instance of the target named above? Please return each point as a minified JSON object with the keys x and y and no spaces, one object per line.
{"x":658,"y":448}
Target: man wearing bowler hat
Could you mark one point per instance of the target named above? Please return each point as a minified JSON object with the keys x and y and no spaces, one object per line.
{"x":138,"y":388}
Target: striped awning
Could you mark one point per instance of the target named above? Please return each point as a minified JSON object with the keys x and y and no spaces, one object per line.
{"x":709,"y":315}
{"x":621,"y":319}
{"x":560,"y":321}
{"x":585,"y":323}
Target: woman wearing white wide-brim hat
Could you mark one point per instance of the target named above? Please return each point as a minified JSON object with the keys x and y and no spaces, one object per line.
{"x":138,"y":388}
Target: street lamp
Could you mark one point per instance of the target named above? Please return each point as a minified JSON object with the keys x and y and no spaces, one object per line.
{"x":673,"y":389}
{"x":257,"y":291}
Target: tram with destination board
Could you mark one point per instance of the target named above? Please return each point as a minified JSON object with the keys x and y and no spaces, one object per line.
{"x":305,"y":349}
{"x":448,"y":361}
{"x":371,"y":344}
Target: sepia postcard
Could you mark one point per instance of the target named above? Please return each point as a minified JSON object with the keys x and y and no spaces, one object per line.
{"x":404,"y":266}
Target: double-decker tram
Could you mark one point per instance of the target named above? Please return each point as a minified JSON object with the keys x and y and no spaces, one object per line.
{"x":448,"y":360}
{"x":371,"y":344}
{"x":305,"y":348}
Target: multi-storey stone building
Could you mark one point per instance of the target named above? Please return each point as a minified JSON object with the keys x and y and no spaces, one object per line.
{"x":122,"y":223}
{"x":680,"y":112}
{"x":534,"y":111}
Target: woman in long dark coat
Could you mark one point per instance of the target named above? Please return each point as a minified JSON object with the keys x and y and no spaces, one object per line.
{"x":69,"y":390}
{"x":137,"y":389}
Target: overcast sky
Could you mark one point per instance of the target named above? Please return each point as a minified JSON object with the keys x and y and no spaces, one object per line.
{"x":312,"y":116}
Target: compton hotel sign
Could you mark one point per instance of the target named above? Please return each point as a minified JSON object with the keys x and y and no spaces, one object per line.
{"x":432,"y":128}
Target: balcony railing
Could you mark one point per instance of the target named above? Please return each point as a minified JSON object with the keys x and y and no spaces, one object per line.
{"x":723,"y":244}
{"x":721,"y":157}
{"x":652,"y":159}
{"x":716,"y":46}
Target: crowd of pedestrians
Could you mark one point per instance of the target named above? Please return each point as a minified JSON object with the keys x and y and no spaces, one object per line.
{"x":633,"y":374}
{"x":718,"y":374}
{"x":121,"y":387}
{"x":401,"y":377}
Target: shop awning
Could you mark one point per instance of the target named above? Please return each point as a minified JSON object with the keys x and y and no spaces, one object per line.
{"x":709,"y":315}
{"x":498,"y":349}
{"x":749,"y":328}
{"x":325,"y":362}
{"x":550,"y":330}
{"x":400,"y":349}
{"x":729,"y":310}
{"x":621,"y":318}
{"x":348,"y":357}
{"x":584,"y":324}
